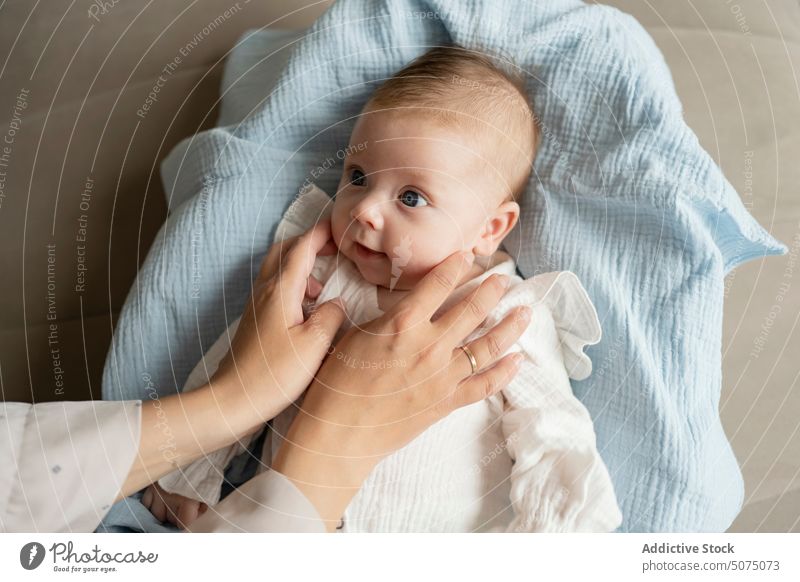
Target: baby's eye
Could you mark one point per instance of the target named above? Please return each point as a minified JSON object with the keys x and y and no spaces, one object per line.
{"x":357,"y":177}
{"x":413,"y":199}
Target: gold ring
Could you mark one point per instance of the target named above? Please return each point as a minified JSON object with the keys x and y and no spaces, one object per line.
{"x":472,"y":361}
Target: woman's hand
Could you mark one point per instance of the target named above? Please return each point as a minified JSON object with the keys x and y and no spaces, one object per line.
{"x":273,"y":357}
{"x":275,"y":353}
{"x":388,"y":382}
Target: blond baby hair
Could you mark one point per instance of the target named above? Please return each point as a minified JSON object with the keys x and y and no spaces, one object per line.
{"x":454,"y":85}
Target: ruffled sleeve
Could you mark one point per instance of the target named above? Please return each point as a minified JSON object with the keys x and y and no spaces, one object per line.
{"x":311,"y":206}
{"x":559,"y":482}
{"x":574,"y":316}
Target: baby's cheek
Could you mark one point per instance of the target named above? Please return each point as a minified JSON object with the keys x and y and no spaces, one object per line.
{"x":423,"y":259}
{"x":339,"y":224}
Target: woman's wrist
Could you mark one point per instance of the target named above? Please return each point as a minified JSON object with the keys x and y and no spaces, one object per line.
{"x":240,"y":412}
{"x":181,"y":428}
{"x":231,"y":414}
{"x":328,"y":478}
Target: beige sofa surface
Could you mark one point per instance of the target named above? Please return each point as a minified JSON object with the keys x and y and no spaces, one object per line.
{"x":83,"y":171}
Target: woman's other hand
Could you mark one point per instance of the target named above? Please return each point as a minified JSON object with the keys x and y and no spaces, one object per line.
{"x":275,"y":353}
{"x":387,"y":382}
{"x":273,"y":357}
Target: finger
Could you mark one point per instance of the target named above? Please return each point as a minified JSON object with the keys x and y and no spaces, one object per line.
{"x":173,"y":505}
{"x":313,"y":287}
{"x":275,"y":257}
{"x":435,"y":287}
{"x":462,"y":319}
{"x":295,"y":270}
{"x":488,"y":348}
{"x":159,"y":509}
{"x":172,"y":517}
{"x":326,"y":320}
{"x":188,"y":512}
{"x":486,"y":383}
{"x":278,"y":250}
{"x":329,"y":249}
{"x":147,"y":498}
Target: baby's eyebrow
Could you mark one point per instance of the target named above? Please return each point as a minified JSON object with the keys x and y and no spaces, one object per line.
{"x":352,"y":150}
{"x":429,"y":176}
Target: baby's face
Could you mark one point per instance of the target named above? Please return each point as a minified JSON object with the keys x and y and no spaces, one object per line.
{"x":412,"y":193}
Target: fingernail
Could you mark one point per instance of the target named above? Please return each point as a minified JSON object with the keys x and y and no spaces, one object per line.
{"x":468,"y":256}
{"x":516,"y":360}
{"x":525,"y":314}
{"x":342,"y":303}
{"x":504,"y":281}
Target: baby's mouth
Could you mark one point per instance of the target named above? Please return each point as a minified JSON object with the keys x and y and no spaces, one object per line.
{"x":367,"y":253}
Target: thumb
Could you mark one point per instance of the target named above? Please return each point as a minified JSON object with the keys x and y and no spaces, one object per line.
{"x":326,"y":320}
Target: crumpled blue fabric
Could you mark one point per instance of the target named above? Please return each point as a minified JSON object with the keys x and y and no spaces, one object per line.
{"x":622,"y":194}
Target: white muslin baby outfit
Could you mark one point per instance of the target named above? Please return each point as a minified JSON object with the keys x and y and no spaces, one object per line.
{"x":523,"y":460}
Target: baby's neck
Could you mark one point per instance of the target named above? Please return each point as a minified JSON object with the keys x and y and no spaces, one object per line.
{"x":387,"y":298}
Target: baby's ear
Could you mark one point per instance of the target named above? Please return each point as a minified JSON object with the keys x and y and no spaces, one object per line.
{"x":496,"y":228}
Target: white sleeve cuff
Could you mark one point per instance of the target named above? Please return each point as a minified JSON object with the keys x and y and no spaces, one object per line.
{"x":268,"y":503}
{"x":64,"y":462}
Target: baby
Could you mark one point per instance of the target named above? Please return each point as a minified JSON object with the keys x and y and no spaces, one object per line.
{"x":436,"y":161}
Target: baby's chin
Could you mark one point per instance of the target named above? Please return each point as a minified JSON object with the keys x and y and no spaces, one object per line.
{"x":381,"y":275}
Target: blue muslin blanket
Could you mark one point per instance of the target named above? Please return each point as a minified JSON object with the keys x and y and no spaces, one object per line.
{"x":622,"y":194}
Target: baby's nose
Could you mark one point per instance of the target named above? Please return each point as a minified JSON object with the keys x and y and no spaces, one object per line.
{"x":368,"y":213}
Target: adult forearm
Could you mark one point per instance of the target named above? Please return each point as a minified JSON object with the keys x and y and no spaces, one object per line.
{"x":179,"y":429}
